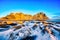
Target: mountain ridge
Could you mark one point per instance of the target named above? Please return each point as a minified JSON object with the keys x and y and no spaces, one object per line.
{"x":21,"y":16}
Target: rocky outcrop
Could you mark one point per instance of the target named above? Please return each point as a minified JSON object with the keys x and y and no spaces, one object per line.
{"x":40,"y":16}
{"x":21,"y":16}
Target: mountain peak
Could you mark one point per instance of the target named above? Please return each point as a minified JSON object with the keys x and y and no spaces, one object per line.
{"x":22,"y":16}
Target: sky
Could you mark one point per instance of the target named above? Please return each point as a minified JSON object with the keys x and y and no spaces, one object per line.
{"x":49,"y":7}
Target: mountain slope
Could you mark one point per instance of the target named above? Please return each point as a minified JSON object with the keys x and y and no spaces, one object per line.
{"x":21,"y":16}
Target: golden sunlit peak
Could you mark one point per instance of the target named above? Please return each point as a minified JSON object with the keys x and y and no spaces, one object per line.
{"x":14,"y":13}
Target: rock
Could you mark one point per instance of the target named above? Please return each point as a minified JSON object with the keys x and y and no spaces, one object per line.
{"x":40,"y":16}
{"x":21,"y":17}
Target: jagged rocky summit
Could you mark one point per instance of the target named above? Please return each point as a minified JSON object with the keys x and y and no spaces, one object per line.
{"x":21,"y":16}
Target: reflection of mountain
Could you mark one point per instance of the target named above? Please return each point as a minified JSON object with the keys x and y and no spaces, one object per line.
{"x":21,"y":16}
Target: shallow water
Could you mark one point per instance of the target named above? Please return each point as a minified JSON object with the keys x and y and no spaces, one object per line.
{"x":29,"y":32}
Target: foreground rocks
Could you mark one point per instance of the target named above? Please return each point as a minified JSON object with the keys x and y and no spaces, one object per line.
{"x":32,"y":31}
